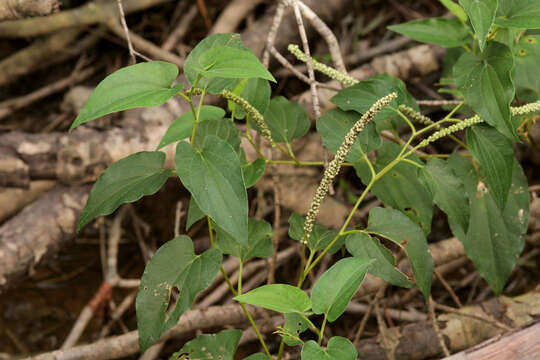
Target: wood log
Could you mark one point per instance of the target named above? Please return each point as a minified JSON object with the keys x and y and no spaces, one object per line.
{"x":17,"y":9}
{"x":522,"y":344}
{"x":419,"y":341}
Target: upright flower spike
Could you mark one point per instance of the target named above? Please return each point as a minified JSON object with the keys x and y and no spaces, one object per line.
{"x":525,"y":109}
{"x":251,"y":112}
{"x":325,"y":69}
{"x":451,"y":129}
{"x":335,"y":165}
{"x":415,"y":115}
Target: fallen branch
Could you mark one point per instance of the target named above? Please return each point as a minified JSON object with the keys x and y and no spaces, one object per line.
{"x":127,"y":344}
{"x":18,"y":9}
{"x":419,"y":341}
{"x":88,"y":14}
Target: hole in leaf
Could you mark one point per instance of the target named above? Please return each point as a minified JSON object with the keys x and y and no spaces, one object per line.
{"x":172,"y":301}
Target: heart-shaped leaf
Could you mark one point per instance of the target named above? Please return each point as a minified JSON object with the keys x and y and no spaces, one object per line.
{"x":487,"y":86}
{"x":255,"y":91}
{"x":448,"y":193}
{"x":220,"y":346}
{"x":125,"y":181}
{"x":282,"y":298}
{"x":320,"y":236}
{"x":230,"y":62}
{"x":363,"y":246}
{"x":395,"y":226}
{"x":182,"y":127}
{"x":174,"y":265}
{"x":213,"y":85}
{"x":496,"y":240}
{"x":523,"y":14}
{"x":527,"y":58}
{"x":141,"y":85}
{"x":292,"y":328}
{"x":360,"y":97}
{"x":254,"y":171}
{"x":339,"y":348}
{"x":495,"y":154}
{"x":481,"y":13}
{"x":440,"y":31}
{"x":333,"y":125}
{"x":399,"y":187}
{"x":214,"y":178}
{"x":259,"y":241}
{"x":287,"y":120}
{"x":334,"y":289}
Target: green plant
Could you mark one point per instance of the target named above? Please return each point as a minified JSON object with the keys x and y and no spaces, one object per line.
{"x":481,"y":187}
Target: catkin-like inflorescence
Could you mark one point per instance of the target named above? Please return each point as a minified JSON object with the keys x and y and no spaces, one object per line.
{"x":525,"y":109}
{"x":325,"y":69}
{"x":251,"y":112}
{"x":414,"y":115}
{"x":451,"y":129}
{"x":335,"y":165}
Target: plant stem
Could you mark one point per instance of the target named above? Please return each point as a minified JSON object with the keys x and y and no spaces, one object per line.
{"x":321,"y":334}
{"x":259,"y":336}
{"x":196,"y":120}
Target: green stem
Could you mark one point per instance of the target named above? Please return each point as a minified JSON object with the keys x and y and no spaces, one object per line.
{"x":321,"y":334}
{"x":259,"y":336}
{"x":240,"y":268}
{"x":309,"y":266}
{"x":210,"y":232}
{"x":311,"y":325}
{"x":196,"y":120}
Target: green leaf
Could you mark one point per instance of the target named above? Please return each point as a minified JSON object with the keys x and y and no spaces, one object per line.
{"x":229,"y":62}
{"x":339,"y":348}
{"x":220,"y":346}
{"x":125,"y":181}
{"x":214,"y":178}
{"x":294,"y":325}
{"x":487,"y":86}
{"x":333,"y":125}
{"x":182,"y":127}
{"x":287,"y":120}
{"x":448,"y":193}
{"x":527,"y":58}
{"x":523,"y":14}
{"x":481,"y":13}
{"x":364,"y":247}
{"x":255,"y":91}
{"x":495,"y":154}
{"x":254,"y":171}
{"x":221,"y":128}
{"x":360,"y":97}
{"x":440,"y":31}
{"x":194,"y":213}
{"x":320,"y":236}
{"x":214,"y":85}
{"x":496,"y":240}
{"x":335,"y":288}
{"x":174,"y":265}
{"x":455,"y":9}
{"x":399,"y":188}
{"x":395,"y":226}
{"x":282,"y":298}
{"x":259,"y":241}
{"x":142,"y":85}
